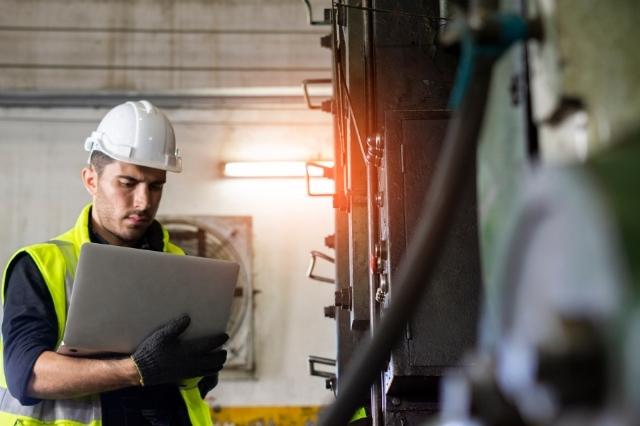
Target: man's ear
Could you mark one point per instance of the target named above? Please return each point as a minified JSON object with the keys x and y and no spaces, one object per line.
{"x":90,"y":180}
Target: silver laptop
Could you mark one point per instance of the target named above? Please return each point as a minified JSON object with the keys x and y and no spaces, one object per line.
{"x":120,"y":295}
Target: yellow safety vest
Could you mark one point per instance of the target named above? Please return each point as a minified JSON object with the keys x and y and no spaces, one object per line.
{"x":56,"y":261}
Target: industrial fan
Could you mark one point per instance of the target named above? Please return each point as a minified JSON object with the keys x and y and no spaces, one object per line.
{"x":226,"y":238}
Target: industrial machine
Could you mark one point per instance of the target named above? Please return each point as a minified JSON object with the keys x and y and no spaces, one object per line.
{"x":486,"y":243}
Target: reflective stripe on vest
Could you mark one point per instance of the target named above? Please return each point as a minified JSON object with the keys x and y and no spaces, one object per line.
{"x":78,"y":411}
{"x":49,"y":258}
{"x":71,"y":262}
{"x":83,"y":411}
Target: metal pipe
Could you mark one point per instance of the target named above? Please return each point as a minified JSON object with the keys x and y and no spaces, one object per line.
{"x":422,"y":254}
{"x":345,"y":343}
{"x":166,"y":99}
{"x":157,"y":67}
{"x":180,"y":31}
{"x":372,"y":191}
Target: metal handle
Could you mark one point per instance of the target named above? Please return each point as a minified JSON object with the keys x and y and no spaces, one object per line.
{"x":330,"y":378}
{"x":313,"y":360}
{"x":327,"y":172}
{"x":326,"y":21}
{"x":314,"y":255}
{"x":312,"y":81}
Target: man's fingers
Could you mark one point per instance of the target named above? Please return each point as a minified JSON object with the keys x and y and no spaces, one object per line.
{"x":208,"y":364}
{"x":213,"y":360}
{"x":176,"y":326}
{"x":209,"y":343}
{"x":221,"y":339}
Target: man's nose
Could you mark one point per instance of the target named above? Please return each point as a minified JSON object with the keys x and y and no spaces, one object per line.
{"x":141,"y":197}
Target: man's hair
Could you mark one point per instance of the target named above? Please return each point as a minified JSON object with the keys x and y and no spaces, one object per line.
{"x":99,"y":160}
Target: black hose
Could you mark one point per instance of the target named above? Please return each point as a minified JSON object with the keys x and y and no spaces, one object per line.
{"x":416,"y":267}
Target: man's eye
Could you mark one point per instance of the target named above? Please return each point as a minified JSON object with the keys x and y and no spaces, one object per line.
{"x":127,"y":183}
{"x":156,"y":187}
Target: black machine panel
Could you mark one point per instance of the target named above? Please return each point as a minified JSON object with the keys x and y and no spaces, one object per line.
{"x":391,"y":83}
{"x":444,"y":326}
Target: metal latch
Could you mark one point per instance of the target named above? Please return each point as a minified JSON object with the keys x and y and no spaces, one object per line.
{"x":329,"y":376}
{"x":314,"y":255}
{"x":325,"y":106}
{"x":327,"y":15}
{"x":327,"y":173}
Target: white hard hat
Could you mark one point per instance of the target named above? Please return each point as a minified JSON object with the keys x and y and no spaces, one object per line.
{"x":137,"y":133}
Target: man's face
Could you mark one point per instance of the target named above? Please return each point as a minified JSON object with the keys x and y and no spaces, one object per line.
{"x":125,"y":200}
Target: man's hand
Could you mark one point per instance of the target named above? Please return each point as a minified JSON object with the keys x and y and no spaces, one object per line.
{"x":163,"y":358}
{"x":207,"y":383}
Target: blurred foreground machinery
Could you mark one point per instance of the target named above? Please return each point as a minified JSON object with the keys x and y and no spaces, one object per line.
{"x":528,"y":313}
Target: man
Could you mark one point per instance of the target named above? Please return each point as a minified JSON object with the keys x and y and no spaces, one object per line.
{"x":130,"y":153}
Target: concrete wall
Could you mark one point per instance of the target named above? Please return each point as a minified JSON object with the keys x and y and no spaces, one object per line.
{"x":158,"y":44}
{"x":41,"y":156}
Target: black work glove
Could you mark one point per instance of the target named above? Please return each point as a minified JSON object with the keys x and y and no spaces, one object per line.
{"x":163,"y":358}
{"x":206,"y":384}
